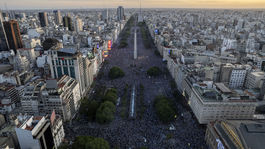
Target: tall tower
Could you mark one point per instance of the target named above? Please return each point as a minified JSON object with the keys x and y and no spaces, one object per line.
{"x":105,"y":15}
{"x":3,"y":40}
{"x":120,"y":13}
{"x":140,"y":17}
{"x":13,"y":34}
{"x":43,"y":19}
{"x":57,"y":17}
{"x":67,"y":22}
{"x":78,"y":25}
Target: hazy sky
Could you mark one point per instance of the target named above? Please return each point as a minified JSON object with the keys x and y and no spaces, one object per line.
{"x":35,"y":4}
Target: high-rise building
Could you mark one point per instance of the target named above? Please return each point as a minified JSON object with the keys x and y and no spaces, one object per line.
{"x":41,"y":98}
{"x":57,"y":17}
{"x":72,"y":63}
{"x":3,"y":40}
{"x":40,"y":132}
{"x":36,"y":133}
{"x":13,"y":34}
{"x":43,"y":19}
{"x":120,"y":13}
{"x":5,"y":16}
{"x":67,"y":22}
{"x":105,"y":15}
{"x":78,"y":25}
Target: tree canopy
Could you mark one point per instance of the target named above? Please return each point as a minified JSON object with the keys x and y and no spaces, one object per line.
{"x":49,"y":42}
{"x":89,"y":108}
{"x":154,"y":71}
{"x":111,"y":96}
{"x":164,"y":109}
{"x":105,"y":112}
{"x":116,"y":72}
{"x":88,"y":142}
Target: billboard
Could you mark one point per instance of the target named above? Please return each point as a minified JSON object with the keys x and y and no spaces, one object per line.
{"x":109,"y":44}
{"x":156,"y":31}
{"x":106,"y":53}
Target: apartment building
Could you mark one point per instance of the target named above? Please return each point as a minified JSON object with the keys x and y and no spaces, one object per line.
{"x":254,"y":79}
{"x":40,"y":132}
{"x":42,"y":97}
{"x":219,"y":102}
{"x":72,"y":63}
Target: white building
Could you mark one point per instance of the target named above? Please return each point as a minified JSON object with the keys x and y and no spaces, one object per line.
{"x":35,"y":133}
{"x":72,"y":63}
{"x":42,"y":98}
{"x":57,"y":129}
{"x":220,"y":103}
{"x":78,"y":25}
{"x":238,"y":76}
{"x":254,"y":79}
{"x":40,"y":132}
{"x":31,"y":43}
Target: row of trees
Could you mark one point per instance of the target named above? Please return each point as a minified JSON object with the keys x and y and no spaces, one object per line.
{"x":164,"y":109}
{"x":126,"y":33}
{"x":145,"y":35}
{"x":101,"y":110}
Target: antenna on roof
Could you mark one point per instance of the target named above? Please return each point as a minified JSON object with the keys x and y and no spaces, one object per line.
{"x":141,"y":7}
{"x":6,"y":7}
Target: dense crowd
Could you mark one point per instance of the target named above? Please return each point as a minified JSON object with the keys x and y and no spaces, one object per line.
{"x":148,"y":131}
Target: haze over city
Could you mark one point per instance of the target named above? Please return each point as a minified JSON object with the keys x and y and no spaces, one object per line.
{"x":65,"y":4}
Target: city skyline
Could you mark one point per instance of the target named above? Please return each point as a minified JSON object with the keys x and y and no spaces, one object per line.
{"x":67,"y":4}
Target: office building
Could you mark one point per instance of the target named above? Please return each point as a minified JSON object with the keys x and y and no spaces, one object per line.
{"x":36,"y":133}
{"x":57,"y":129}
{"x":237,"y":77}
{"x":120,"y":13}
{"x":255,"y":79}
{"x":68,"y":61}
{"x":78,"y":25}
{"x":41,"y":98}
{"x":43,"y":19}
{"x":13,"y":35}
{"x":40,"y":132}
{"x":67,"y":22}
{"x":219,"y":102}
{"x":235,"y":134}
{"x":57,"y":17}
{"x":105,"y":15}
{"x":3,"y":39}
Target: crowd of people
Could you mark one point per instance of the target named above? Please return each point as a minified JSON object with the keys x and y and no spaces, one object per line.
{"x":149,"y":132}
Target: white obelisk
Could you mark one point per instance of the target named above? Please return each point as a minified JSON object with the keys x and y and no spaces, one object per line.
{"x":135,"y":45}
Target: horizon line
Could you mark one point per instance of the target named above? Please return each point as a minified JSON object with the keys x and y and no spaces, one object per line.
{"x":209,"y":8}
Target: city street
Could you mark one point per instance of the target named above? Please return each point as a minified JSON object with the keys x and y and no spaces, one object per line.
{"x":125,"y":133}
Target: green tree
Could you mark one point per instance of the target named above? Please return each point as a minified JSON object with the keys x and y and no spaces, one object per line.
{"x":64,"y":146}
{"x":49,"y":43}
{"x":116,"y":72}
{"x":80,"y":142}
{"x":89,"y":108}
{"x":111,"y":96}
{"x":154,"y":71}
{"x":97,"y":143}
{"x":88,"y":142}
{"x":105,"y":112}
{"x":164,"y":109}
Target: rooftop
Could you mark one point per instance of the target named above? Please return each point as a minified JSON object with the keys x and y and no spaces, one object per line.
{"x":249,"y":134}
